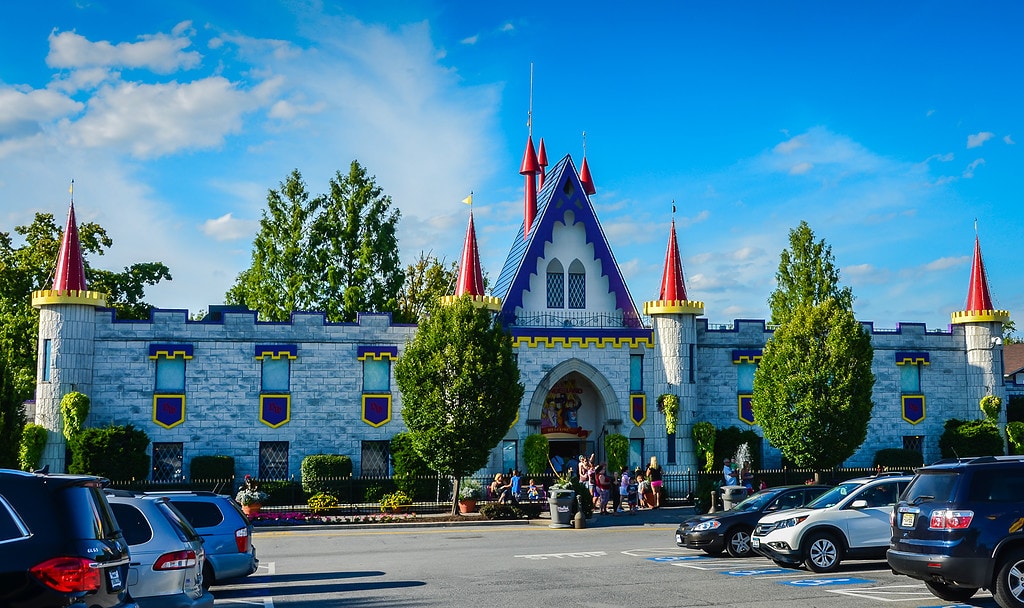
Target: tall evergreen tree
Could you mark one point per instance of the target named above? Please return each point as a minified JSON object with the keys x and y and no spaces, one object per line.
{"x":812,"y":388}
{"x":460,"y":388}
{"x":426,"y":281}
{"x":336,"y":253}
{"x":806,"y":275}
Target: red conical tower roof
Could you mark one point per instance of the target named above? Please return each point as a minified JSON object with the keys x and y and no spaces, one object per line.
{"x":978,"y":297}
{"x":542,"y":162}
{"x":530,"y":165}
{"x":979,"y":302}
{"x":672,"y":285}
{"x":586,"y":180}
{"x":70,"y":273}
{"x":672,"y":299}
{"x":471,"y":278}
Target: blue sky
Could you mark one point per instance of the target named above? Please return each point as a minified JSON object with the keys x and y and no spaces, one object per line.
{"x":889,"y":126}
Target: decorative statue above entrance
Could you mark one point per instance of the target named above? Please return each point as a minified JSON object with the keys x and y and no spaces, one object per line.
{"x":561,"y":411}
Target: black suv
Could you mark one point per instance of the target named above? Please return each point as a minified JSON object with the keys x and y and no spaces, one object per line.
{"x":959,"y":526}
{"x":60,"y":545}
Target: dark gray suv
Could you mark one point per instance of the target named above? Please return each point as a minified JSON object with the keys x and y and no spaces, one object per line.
{"x":959,"y":527}
{"x":60,"y":544}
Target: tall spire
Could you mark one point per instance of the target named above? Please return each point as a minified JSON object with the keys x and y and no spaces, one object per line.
{"x":70,"y":272}
{"x":979,"y":300}
{"x":529,"y":168}
{"x":672,"y":285}
{"x":471,"y":278}
{"x":542,"y":162}
{"x":585,"y":179}
{"x":672,"y":298}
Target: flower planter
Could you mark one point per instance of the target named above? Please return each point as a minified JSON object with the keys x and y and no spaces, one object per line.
{"x":467,"y":505}
{"x":251,"y":509}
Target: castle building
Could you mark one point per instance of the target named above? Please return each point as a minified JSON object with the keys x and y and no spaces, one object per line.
{"x":271,"y":393}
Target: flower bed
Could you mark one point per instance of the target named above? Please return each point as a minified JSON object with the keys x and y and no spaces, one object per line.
{"x":298,"y":518}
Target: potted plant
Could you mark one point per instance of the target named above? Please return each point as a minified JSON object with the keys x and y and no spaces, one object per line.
{"x":250,"y":496}
{"x":470,"y":491}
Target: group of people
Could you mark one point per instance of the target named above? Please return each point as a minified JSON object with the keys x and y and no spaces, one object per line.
{"x":742,"y":475}
{"x":621,"y":491}
{"x":506,"y":490}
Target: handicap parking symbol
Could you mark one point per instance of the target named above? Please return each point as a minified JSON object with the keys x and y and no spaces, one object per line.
{"x":821,"y":582}
{"x":675,"y":558}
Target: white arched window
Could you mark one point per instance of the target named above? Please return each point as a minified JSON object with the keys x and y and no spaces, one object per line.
{"x":577,"y":285}
{"x":556,"y":285}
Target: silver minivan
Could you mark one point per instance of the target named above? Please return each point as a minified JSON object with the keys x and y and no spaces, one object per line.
{"x":167,"y":555}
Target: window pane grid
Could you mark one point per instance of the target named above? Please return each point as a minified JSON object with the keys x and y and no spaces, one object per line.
{"x":374,"y":459}
{"x":556,"y":290}
{"x":167,"y":462}
{"x":577,"y":290}
{"x":273,"y":460}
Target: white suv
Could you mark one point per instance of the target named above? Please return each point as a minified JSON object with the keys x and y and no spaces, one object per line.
{"x":849,"y":521}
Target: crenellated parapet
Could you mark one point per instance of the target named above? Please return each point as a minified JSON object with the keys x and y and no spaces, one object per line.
{"x":676,"y":307}
{"x":980,"y":316}
{"x":69,"y":296}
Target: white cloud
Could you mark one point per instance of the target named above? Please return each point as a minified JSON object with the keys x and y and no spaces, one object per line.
{"x":23,"y":112}
{"x":969,"y":171}
{"x":976,"y":140}
{"x":227,"y":228}
{"x":801,"y":168}
{"x":508,"y":27}
{"x":1009,"y":140}
{"x":152,"y":120}
{"x":470,"y":39}
{"x":160,"y":53}
{"x":946,"y":263}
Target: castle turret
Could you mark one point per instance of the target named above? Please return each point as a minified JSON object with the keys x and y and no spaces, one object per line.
{"x":675,"y":335}
{"x":471,"y":279}
{"x":66,"y":329}
{"x":983,"y":332}
{"x":530,"y":168}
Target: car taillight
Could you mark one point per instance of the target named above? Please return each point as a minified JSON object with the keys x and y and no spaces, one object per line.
{"x":68,"y":574}
{"x":947,"y":519}
{"x":176,"y":560}
{"x":242,"y":539}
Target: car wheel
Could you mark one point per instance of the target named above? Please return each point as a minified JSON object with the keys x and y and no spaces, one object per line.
{"x":208,"y":577}
{"x":737,"y":542}
{"x":949,"y":592}
{"x":1009,"y":587}
{"x":822,"y":553}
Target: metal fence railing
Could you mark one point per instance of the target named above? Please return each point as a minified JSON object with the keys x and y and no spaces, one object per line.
{"x":433,"y":493}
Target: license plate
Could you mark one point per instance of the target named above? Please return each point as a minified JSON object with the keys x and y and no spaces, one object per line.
{"x":115,"y":579}
{"x":907,"y":520}
{"x":755,"y":542}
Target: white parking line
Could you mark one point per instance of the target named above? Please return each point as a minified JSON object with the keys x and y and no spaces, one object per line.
{"x":888,"y":593}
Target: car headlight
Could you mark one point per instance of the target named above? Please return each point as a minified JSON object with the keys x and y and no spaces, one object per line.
{"x":789,"y":523}
{"x":711,"y":524}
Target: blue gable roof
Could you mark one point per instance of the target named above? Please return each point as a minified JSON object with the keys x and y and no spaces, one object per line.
{"x":562,"y":191}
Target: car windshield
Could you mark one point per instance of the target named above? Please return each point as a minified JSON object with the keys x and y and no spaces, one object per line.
{"x":833,"y":496}
{"x":756,"y":501}
{"x":937,"y":486}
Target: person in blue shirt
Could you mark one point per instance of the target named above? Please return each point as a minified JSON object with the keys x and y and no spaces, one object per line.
{"x":515,"y":486}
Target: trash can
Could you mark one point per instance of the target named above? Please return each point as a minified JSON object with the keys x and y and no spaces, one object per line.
{"x":560,"y":501}
{"x":732,"y":495}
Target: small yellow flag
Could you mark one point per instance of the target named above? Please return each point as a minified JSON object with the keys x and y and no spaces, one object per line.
{"x":71,"y":189}
{"x":469,"y":199}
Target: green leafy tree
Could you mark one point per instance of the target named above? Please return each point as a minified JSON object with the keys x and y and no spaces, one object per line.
{"x":426,"y":281}
{"x":806,"y":275}
{"x":1010,"y":333}
{"x":115,"y":452}
{"x":460,"y":388}
{"x":812,"y":389}
{"x":29,"y":267}
{"x":336,"y":253}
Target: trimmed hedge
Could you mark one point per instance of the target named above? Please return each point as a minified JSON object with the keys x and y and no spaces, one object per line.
{"x":964,"y":438}
{"x":325,"y":473}
{"x":114,"y":452}
{"x":33,"y":442}
{"x":898,"y":458}
{"x":209,"y":468}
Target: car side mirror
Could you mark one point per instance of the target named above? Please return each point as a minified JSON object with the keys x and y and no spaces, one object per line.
{"x":859,"y":504}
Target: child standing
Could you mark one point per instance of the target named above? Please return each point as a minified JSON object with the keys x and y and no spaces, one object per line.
{"x":632,"y":491}
{"x":623,"y":489}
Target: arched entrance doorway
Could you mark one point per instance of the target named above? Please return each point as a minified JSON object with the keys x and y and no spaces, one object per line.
{"x":573,"y":406}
